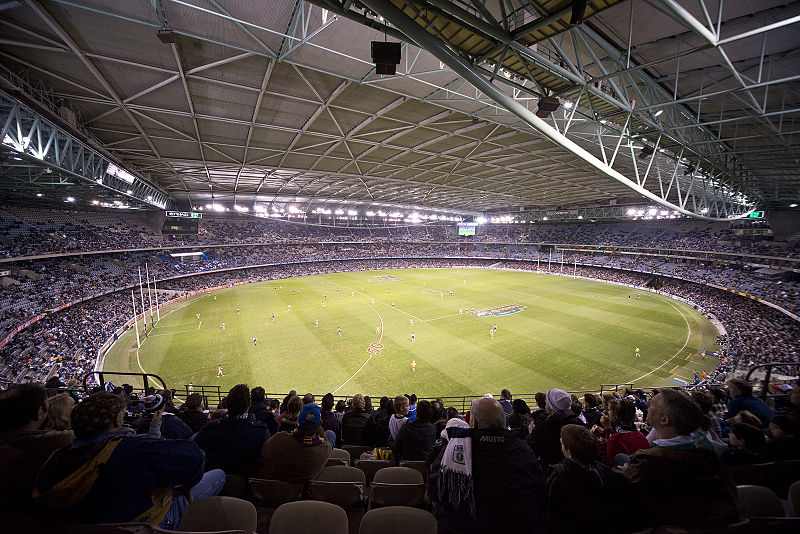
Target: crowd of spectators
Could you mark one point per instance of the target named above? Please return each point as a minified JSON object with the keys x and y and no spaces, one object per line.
{"x":33,"y":231}
{"x":617,"y":462}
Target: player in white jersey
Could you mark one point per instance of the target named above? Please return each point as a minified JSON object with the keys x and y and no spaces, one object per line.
{"x":215,"y":298}
{"x":339,"y":330}
{"x":290,"y":307}
{"x":219,"y":371}
{"x":222,"y":326}
{"x":237,"y":312}
{"x":316,"y":323}
{"x":255,"y":341}
{"x":412,"y":337}
{"x":197,"y":316}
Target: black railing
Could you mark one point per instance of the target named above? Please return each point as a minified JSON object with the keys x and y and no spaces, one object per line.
{"x":765,"y":382}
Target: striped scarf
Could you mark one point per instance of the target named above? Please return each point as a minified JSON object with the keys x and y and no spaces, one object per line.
{"x":455,"y":475}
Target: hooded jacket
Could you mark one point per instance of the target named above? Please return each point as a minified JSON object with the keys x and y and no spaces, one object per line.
{"x":117,"y":478}
{"x":545,"y":440}
{"x":603,"y":495}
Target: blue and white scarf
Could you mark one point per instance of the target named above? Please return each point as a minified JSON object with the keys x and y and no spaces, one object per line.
{"x":455,"y":476}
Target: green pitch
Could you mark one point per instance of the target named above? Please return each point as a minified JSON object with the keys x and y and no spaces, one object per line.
{"x":552,"y":331}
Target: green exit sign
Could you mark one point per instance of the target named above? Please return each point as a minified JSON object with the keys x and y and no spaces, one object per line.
{"x":757,"y":215}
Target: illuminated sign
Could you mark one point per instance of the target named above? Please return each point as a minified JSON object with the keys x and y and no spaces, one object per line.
{"x":184,"y":214}
{"x":757,"y":215}
{"x":122,"y":174}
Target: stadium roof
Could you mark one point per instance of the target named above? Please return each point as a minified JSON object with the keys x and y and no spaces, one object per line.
{"x":279,"y":101}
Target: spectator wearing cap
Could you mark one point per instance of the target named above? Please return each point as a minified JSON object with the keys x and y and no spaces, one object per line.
{"x":580,"y":478}
{"x":545,"y":437}
{"x":109,"y":475}
{"x":233,"y":442}
{"x":742,"y":398}
{"x":297,"y":456}
{"x":172,"y":427}
{"x":193,"y":414}
{"x":258,"y":407}
{"x":23,"y":446}
{"x":680,"y":480}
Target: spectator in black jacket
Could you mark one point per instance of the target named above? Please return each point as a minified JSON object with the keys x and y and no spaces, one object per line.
{"x":505,"y":401}
{"x":328,"y":419}
{"x":416,"y":437}
{"x":193,"y":414}
{"x":545,"y":438}
{"x":590,"y":411}
{"x":258,"y":407}
{"x":539,"y":414}
{"x":520,"y":418}
{"x":233,"y":443}
{"x":583,"y":494}
{"x":486,"y":479}
{"x":358,"y":424}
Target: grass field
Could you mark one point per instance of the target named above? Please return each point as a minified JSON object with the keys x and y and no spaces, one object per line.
{"x":556,"y":332}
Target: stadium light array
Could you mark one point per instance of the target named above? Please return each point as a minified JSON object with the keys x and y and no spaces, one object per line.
{"x":370,"y":214}
{"x":793,"y":205}
{"x":352,"y":213}
{"x":70,"y":199}
{"x":481,"y":220}
{"x":568,"y":105}
{"x":396,"y":215}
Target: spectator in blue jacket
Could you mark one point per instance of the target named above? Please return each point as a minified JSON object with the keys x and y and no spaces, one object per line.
{"x":110,"y":475}
{"x":741,"y":398}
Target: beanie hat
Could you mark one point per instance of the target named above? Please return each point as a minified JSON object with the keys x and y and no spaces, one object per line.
{"x":153,"y":403}
{"x":310,"y":413}
{"x":95,"y":414}
{"x":455,"y":421}
{"x":559,"y":400}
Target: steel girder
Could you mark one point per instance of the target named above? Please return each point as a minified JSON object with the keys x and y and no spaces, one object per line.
{"x":28,"y":137}
{"x":531,"y":65}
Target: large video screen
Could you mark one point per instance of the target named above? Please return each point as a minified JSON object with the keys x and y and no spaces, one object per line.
{"x":466,"y":228}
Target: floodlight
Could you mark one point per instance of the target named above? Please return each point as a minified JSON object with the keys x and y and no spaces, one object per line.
{"x":481,"y":220}
{"x":793,"y":205}
{"x":657,"y":113}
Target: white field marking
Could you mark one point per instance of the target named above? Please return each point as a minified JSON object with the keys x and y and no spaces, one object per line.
{"x":178,"y":332}
{"x":139,"y":362}
{"x":370,"y":354}
{"x":385,"y":304}
{"x":442,"y":317}
{"x":172,"y":325}
{"x":688,"y":335}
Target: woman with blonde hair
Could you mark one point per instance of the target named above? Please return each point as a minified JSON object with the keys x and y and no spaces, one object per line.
{"x":59,"y":408}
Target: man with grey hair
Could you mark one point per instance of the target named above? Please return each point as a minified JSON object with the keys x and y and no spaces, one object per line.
{"x":680,"y":480}
{"x":464,"y":478}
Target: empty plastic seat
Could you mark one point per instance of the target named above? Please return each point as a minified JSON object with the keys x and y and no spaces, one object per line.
{"x":759,"y":501}
{"x":794,"y":498}
{"x":397,"y":520}
{"x":219,"y":513}
{"x":340,"y":485}
{"x":308,"y":517}
{"x":274,"y":493}
{"x":355,"y":451}
{"x":418,"y":465}
{"x":397,"y":486}
{"x":235,"y":486}
{"x":340,"y":454}
{"x":370,"y":467}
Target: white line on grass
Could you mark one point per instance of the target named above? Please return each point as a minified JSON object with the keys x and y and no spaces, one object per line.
{"x":370,"y":354}
{"x":688,"y":335}
{"x":385,"y":304}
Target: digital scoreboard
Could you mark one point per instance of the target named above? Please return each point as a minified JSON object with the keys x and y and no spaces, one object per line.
{"x":466,"y":228}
